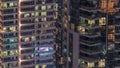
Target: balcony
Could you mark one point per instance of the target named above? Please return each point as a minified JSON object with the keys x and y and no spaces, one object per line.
{"x":117,"y":32}
{"x":9,"y":59}
{"x":87,"y":16}
{"x":89,"y":9}
{"x":90,"y":26}
{"x":8,"y":42}
{"x":27,"y":62}
{"x":118,"y":5}
{"x":10,"y":23}
{"x":28,"y":45}
{"x":117,"y":15}
{"x":117,"y":40}
{"x":90,"y":43}
{"x":117,"y":57}
{"x":117,"y":64}
{"x":90,"y":51}
{"x":10,"y":11}
{"x":10,"y":35}
{"x":91,"y":35}
{"x":117,"y":47}
{"x":27,"y":51}
{"x":27,"y":3}
{"x":27,"y":21}
{"x":9,"y":0}
{"x":89,"y":58}
{"x":44,"y":61}
{"x":9,"y":48}
{"x":27,"y":9}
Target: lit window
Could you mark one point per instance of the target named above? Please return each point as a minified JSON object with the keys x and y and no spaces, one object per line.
{"x":37,"y":66}
{"x":37,"y":7}
{"x":111,"y":4}
{"x":111,"y":37}
{"x":56,"y":15}
{"x":32,"y":14}
{"x":43,"y":13}
{"x":102,"y":21}
{"x":5,"y":53}
{"x":4,"y":29}
{"x":11,"y":40}
{"x":33,"y":38}
{"x":43,"y":66}
{"x":12,"y":28}
{"x":81,"y":29}
{"x":11,"y":4}
{"x":91,"y":22}
{"x":26,"y":39}
{"x":4,"y":5}
{"x":37,"y":14}
{"x":49,"y":7}
{"x":101,"y":63}
{"x":43,"y":19}
{"x":27,"y":15}
{"x":43,"y":7}
{"x":91,"y":65}
{"x":56,"y":7}
{"x":36,"y":20}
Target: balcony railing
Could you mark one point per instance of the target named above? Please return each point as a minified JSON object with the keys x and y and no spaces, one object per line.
{"x":117,"y":15}
{"x":117,"y":57}
{"x":89,"y":8}
{"x":90,"y":43}
{"x":89,"y":59}
{"x":90,"y":52}
{"x":118,"y":6}
{"x":94,"y":16}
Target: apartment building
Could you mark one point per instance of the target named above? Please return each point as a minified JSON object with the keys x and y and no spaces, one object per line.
{"x":92,"y":33}
{"x":27,"y":36}
{"x":62,"y":34}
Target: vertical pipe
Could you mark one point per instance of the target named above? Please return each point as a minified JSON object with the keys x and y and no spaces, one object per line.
{"x":106,"y":45}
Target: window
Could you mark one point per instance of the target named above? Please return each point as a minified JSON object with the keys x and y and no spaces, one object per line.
{"x":37,"y":14}
{"x":11,"y":4}
{"x":32,"y":14}
{"x":37,"y":7}
{"x":43,"y":13}
{"x":13,"y":28}
{"x":111,"y":37}
{"x":4,"y":29}
{"x":49,"y":7}
{"x":27,"y":15}
{"x":11,"y":40}
{"x":82,"y":20}
{"x":81,"y":29}
{"x":102,"y":21}
{"x":91,"y":22}
{"x":111,"y":4}
{"x":91,"y":65}
{"x":56,"y":7}
{"x":101,"y":64}
{"x":43,"y":7}
{"x":4,"y":5}
{"x":36,"y":20}
{"x":44,"y":19}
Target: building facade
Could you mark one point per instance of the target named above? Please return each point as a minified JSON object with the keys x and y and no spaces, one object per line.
{"x":92,"y":33}
{"x":62,"y":34}
{"x":27,"y":36}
